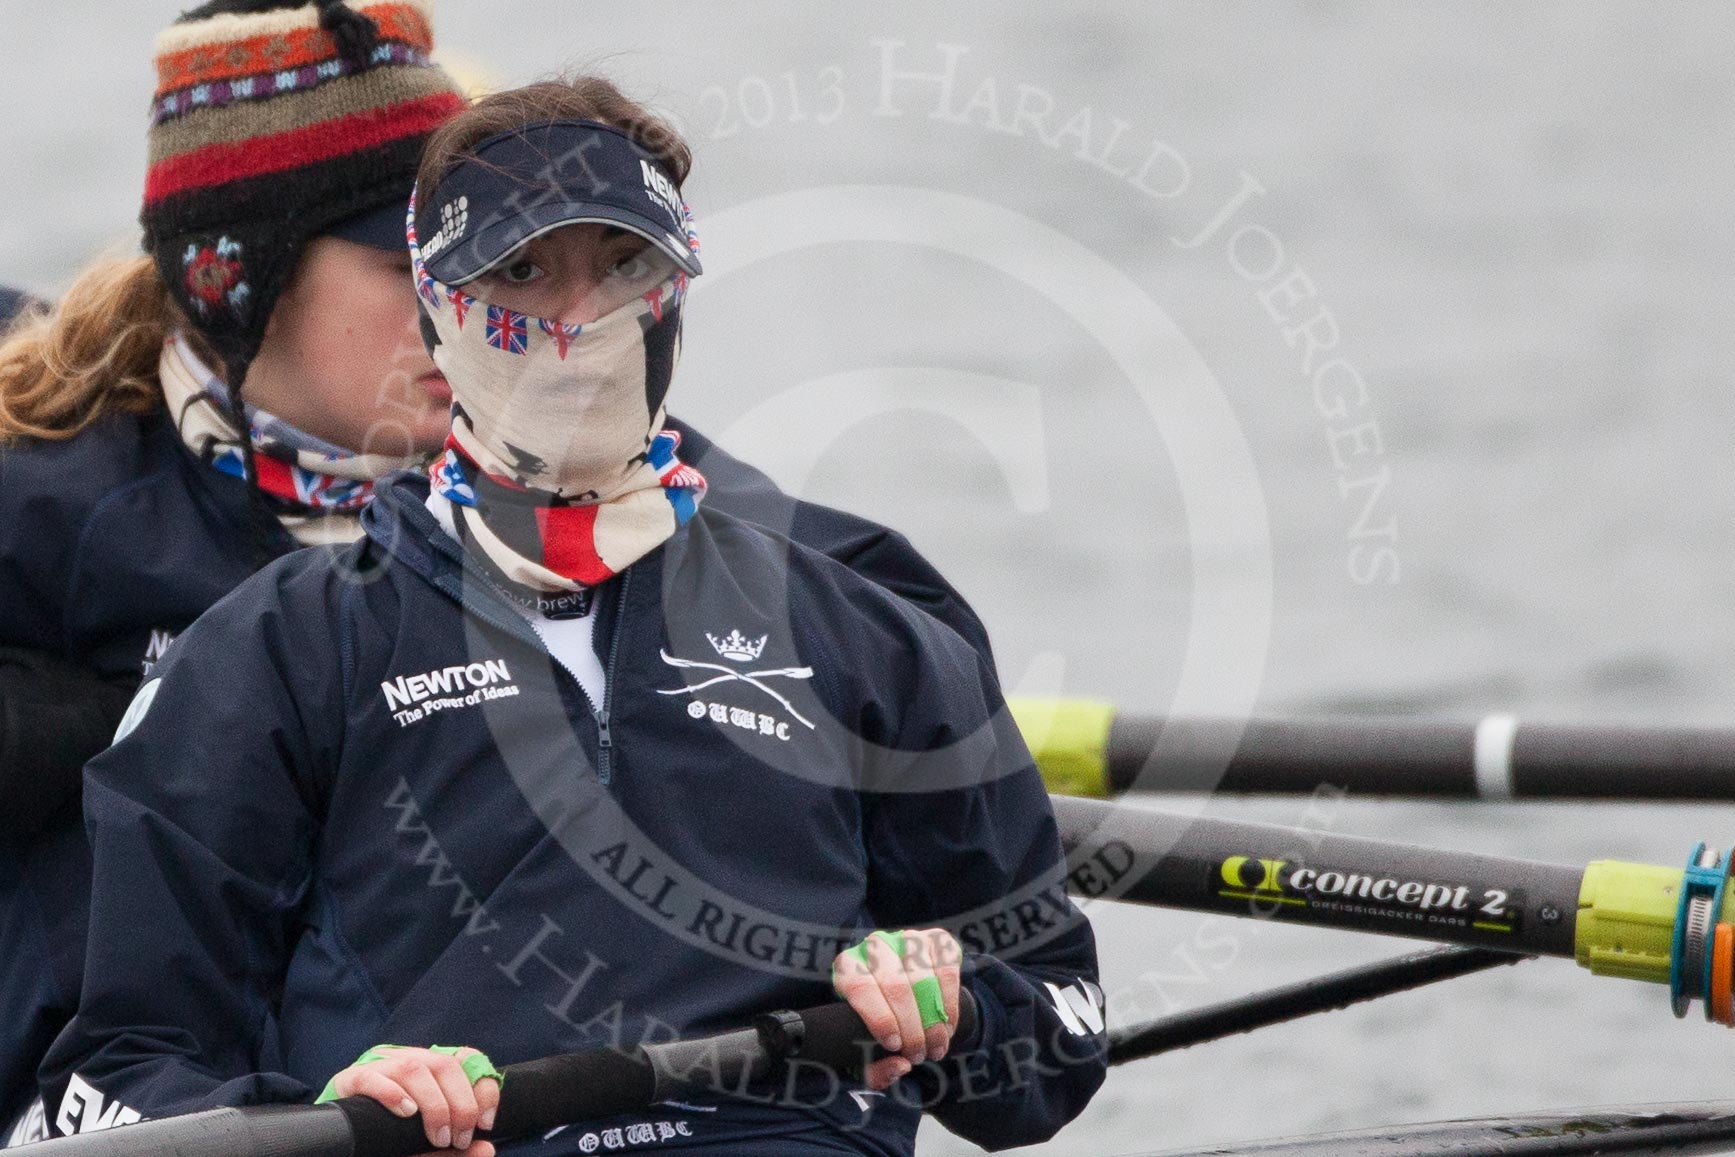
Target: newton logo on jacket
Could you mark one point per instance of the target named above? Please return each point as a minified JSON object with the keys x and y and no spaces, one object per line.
{"x":411,"y":697}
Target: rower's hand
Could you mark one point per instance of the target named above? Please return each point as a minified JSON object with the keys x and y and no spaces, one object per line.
{"x":412,"y":1080}
{"x":883,"y":993}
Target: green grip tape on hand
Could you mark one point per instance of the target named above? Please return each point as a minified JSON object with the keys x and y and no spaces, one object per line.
{"x":475,"y":1066}
{"x":859,"y":953}
{"x":930,"y":1005}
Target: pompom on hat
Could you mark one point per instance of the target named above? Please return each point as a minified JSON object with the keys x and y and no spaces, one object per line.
{"x":276,"y":121}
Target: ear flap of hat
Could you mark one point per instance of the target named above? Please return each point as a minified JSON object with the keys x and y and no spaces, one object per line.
{"x":227,"y":282}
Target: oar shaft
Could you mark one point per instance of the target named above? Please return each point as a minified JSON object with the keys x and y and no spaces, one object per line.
{"x":1281,"y":756}
{"x":1497,"y":757}
{"x":1290,"y":1002}
{"x":1088,"y":747}
{"x":1311,"y":877}
{"x":1669,"y":926}
{"x":1679,"y":1129}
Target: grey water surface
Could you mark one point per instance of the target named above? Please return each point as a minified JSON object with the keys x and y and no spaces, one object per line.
{"x":1299,"y":358}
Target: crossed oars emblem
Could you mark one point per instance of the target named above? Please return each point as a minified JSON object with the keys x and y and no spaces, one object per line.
{"x":751,"y":678}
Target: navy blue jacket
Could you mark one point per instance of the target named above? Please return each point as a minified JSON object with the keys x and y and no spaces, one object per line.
{"x":11,"y":301}
{"x":113,"y":542}
{"x":110,"y":543}
{"x":359,"y":803}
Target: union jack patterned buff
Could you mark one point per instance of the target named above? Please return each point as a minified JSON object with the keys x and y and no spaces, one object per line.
{"x":540,"y":544}
{"x":274,"y":121}
{"x":316,"y":489}
{"x":558,"y":468}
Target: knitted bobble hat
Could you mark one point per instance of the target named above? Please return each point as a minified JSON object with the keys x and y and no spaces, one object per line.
{"x":273,"y":121}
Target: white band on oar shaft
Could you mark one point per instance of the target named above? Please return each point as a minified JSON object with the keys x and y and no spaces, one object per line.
{"x":1496,"y":735}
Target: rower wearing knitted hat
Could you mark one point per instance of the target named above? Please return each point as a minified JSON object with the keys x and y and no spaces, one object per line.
{"x":274,"y":123}
{"x":284,"y":138}
{"x":222,"y":398}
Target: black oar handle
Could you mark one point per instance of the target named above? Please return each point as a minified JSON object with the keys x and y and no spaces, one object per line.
{"x":535,"y":1097}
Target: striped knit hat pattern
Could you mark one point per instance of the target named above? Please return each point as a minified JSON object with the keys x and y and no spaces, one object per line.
{"x":273,"y":121}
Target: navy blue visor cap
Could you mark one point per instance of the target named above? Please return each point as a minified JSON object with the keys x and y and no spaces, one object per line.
{"x":517,"y":185}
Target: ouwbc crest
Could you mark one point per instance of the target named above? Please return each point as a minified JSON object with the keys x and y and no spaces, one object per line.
{"x":738,"y":649}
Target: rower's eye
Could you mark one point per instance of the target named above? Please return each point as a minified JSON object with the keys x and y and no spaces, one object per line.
{"x":520,"y":272}
{"x":631,"y":268}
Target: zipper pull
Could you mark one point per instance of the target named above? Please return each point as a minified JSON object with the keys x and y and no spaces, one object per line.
{"x":604,"y":749}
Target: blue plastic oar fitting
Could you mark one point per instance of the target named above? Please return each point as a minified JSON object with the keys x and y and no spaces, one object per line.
{"x":1699,"y":909}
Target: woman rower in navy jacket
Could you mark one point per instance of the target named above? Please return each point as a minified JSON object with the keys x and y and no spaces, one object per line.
{"x":560,"y":755}
{"x":274,"y":298}
{"x":182,"y":415}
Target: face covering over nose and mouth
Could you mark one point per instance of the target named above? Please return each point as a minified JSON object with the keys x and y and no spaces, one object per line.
{"x":557,"y":467}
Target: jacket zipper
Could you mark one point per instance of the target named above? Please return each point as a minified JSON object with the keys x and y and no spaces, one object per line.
{"x":517,"y":626}
{"x":604,"y":738}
